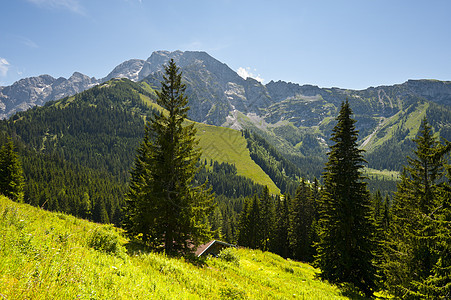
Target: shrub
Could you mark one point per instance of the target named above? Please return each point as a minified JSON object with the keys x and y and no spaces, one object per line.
{"x":105,"y":239}
{"x":229,"y":255}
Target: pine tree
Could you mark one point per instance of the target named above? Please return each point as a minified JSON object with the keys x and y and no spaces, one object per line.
{"x":250,"y":234}
{"x":346,"y":226}
{"x":267,"y":219}
{"x":162,"y":205}
{"x":420,"y":224}
{"x":380,"y":214}
{"x":281,"y":242}
{"x":301,"y":230}
{"x":11,"y":174}
{"x":438,"y":283}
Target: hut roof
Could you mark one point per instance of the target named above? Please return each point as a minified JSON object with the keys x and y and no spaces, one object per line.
{"x":204,"y":248}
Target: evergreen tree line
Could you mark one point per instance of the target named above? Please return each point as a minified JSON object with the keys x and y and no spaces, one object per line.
{"x":56,"y":184}
{"x":311,"y":166}
{"x":224,"y":218}
{"x":99,"y":128}
{"x":373,"y":243}
{"x":286,"y":225}
{"x":52,"y":183}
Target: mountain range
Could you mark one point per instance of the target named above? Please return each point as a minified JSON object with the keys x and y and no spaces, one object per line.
{"x":297,"y":119}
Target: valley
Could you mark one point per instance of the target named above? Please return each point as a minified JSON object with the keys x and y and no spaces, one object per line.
{"x":262,"y":147}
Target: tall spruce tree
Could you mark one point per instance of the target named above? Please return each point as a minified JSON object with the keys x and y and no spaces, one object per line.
{"x":11,"y":173}
{"x":162,"y":205}
{"x":302,"y":230}
{"x":250,"y":233}
{"x":267,"y":219}
{"x":281,"y":243}
{"x":380,"y":215}
{"x":346,"y":224}
{"x":416,"y":263}
{"x":438,"y":284}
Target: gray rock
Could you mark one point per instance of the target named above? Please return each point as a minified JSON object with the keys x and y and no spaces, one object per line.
{"x":217,"y":93}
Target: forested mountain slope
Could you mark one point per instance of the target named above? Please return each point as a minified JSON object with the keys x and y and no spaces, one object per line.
{"x":296,"y":119}
{"x":77,"y":152}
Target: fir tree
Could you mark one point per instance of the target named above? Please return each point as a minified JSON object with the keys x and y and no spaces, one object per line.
{"x":438,"y":283}
{"x":420,"y":225}
{"x":162,"y":205}
{"x":250,"y":234}
{"x":346,"y":226}
{"x":11,"y":174}
{"x":281,"y":243}
{"x":267,"y":219}
{"x":301,"y":230}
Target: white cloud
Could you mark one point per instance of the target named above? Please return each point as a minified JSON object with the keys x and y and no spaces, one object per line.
{"x":29,"y":43}
{"x":4,"y":66}
{"x":246,"y":72}
{"x":72,"y":5}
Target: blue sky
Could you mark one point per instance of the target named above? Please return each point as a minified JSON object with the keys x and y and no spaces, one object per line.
{"x":348,"y":44}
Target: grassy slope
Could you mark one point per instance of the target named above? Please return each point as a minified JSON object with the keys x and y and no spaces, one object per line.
{"x":218,"y":144}
{"x":411,"y":124}
{"x":381,"y":174}
{"x":228,"y":145}
{"x":47,"y":255}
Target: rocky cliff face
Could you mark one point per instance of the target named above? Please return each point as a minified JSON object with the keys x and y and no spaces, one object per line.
{"x":433,"y":90}
{"x":129,"y":69}
{"x":32,"y":91}
{"x":214,"y":90}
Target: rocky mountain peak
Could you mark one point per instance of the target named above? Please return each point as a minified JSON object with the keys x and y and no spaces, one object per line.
{"x":215,"y":90}
{"x":128,"y":69}
{"x":32,"y":91}
{"x":438,"y":91}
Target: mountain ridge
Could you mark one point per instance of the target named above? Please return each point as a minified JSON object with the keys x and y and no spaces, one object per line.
{"x":297,"y":119}
{"x":27,"y":92}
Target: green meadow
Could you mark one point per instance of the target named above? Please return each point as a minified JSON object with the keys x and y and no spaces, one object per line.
{"x":228,"y":145}
{"x":45,"y":255}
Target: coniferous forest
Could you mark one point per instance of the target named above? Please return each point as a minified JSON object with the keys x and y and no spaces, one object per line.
{"x":122,"y":154}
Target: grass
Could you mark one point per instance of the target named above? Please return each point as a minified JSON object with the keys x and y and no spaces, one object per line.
{"x":228,"y":145}
{"x":411,"y":124}
{"x":224,"y":145}
{"x":381,"y":174}
{"x":46,"y":255}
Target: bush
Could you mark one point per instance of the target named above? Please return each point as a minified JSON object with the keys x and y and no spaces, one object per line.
{"x":105,"y":239}
{"x":229,"y":255}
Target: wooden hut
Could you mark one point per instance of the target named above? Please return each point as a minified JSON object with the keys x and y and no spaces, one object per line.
{"x":212,"y":248}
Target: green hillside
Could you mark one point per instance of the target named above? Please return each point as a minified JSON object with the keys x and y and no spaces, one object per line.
{"x":227,"y":145}
{"x":46,"y":255}
{"x":102,"y":127}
